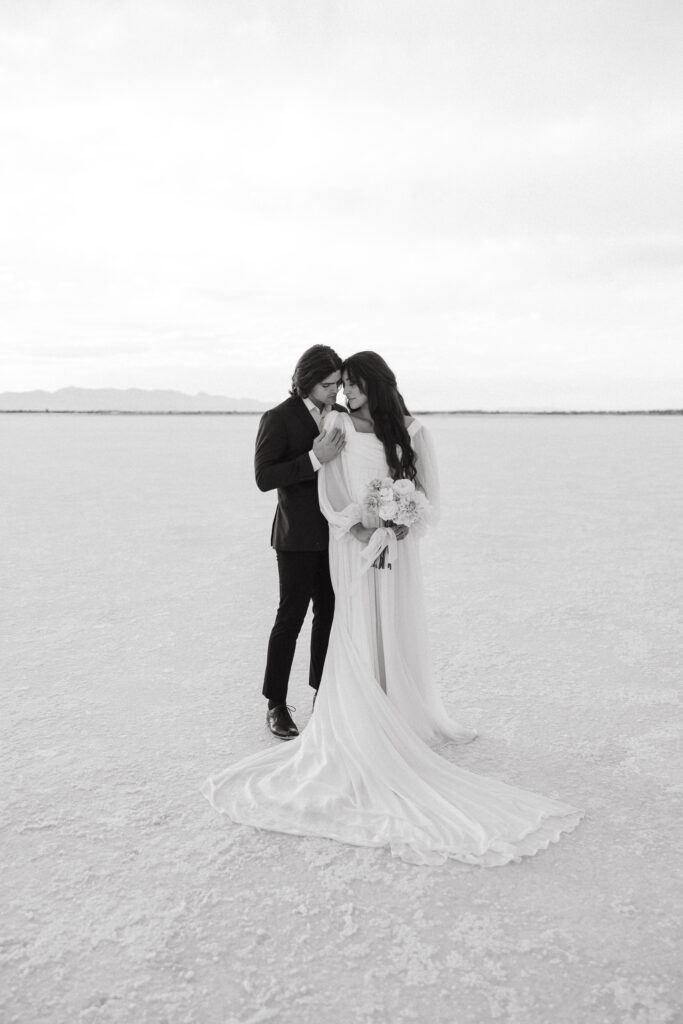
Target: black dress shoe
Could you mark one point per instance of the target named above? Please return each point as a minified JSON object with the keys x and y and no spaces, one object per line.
{"x":281,"y":723}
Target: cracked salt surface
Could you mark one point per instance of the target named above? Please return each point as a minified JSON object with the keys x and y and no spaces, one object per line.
{"x":138,"y":591}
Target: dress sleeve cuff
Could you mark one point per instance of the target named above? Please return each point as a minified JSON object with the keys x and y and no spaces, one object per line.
{"x":315,"y":461}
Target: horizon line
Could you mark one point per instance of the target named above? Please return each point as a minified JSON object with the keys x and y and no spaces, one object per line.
{"x":418,"y":412}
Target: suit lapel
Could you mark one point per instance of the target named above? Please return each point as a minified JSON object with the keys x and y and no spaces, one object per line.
{"x":304,"y":415}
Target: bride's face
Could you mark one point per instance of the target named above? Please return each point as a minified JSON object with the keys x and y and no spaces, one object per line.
{"x":355,"y":396}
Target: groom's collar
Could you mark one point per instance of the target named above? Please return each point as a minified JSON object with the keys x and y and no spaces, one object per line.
{"x":310,"y":405}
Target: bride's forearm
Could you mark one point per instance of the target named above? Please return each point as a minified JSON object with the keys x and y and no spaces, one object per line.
{"x":361,"y":533}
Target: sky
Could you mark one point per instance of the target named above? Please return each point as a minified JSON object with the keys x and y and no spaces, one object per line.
{"x":486,"y":193}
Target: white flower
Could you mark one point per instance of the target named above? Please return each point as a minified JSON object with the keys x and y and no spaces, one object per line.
{"x":386,"y":494}
{"x":411,"y":509}
{"x":402,"y":487}
{"x":388,"y":509}
{"x":387,"y":482}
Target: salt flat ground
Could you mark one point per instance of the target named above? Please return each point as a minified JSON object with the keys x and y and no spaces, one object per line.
{"x":138,"y":592}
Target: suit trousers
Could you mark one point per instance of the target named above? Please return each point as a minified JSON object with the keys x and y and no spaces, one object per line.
{"x":304,"y":578}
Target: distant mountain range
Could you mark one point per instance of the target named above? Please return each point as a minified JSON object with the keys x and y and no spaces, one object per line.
{"x":138,"y":400}
{"x":124,"y":400}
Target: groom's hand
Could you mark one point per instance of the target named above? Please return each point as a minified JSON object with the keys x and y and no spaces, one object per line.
{"x":328,"y":446}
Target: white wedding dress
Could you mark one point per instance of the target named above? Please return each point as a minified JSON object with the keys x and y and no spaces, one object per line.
{"x":362,"y":771}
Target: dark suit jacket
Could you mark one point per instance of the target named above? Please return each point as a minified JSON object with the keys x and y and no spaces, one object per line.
{"x":284,"y":439}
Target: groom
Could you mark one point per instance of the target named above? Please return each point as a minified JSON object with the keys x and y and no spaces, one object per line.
{"x":291,"y":445}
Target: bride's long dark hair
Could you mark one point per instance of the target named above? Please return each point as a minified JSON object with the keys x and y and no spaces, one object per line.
{"x":370,"y":373}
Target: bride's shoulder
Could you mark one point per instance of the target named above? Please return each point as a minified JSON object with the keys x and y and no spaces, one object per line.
{"x":337,"y":418}
{"x":412,"y":425}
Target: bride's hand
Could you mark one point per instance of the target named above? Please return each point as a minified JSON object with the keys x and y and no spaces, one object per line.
{"x":400,"y":531}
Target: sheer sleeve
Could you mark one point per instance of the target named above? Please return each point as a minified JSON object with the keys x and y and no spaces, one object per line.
{"x":334,"y":490}
{"x":427,"y":471}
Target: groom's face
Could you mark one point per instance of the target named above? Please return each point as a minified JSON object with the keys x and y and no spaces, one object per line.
{"x":325,"y":393}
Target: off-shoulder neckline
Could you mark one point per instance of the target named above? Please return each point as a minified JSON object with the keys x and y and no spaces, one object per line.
{"x":412,"y":427}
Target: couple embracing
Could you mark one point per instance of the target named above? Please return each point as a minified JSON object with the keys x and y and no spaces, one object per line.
{"x":363,"y":771}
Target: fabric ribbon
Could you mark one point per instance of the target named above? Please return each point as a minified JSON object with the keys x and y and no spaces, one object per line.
{"x":381,"y":538}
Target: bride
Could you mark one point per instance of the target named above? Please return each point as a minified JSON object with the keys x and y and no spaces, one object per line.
{"x":363,"y":771}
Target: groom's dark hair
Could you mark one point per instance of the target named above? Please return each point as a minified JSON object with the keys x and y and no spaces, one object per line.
{"x":315,"y":364}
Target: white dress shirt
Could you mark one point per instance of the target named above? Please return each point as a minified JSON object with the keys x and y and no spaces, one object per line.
{"x":318,"y":417}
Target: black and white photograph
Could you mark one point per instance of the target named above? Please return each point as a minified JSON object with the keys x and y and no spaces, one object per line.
{"x":341,"y":428}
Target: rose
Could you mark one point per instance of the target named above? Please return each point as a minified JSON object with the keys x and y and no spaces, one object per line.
{"x":402,"y":487}
{"x":386,"y":494}
{"x":388,"y":509}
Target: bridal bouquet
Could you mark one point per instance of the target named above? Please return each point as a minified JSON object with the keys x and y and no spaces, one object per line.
{"x":395,"y":502}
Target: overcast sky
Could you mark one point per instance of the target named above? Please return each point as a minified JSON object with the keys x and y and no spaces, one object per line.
{"x":487,"y":193}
